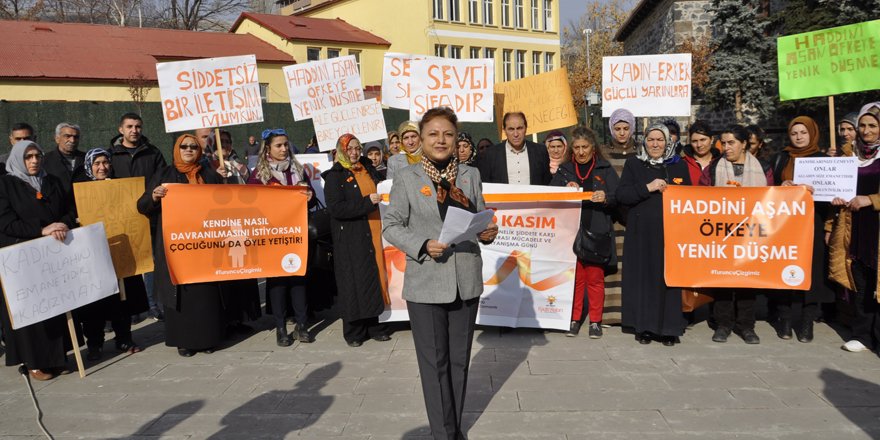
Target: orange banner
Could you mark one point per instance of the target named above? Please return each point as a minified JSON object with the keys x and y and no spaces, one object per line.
{"x":233,"y":232}
{"x":738,"y":237}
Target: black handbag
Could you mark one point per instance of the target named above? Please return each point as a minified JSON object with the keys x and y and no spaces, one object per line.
{"x":320,"y":241}
{"x":593,"y":247}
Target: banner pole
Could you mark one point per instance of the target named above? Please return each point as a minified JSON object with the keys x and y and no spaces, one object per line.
{"x":831,"y":123}
{"x":75,"y":343}
{"x":219,"y":147}
{"x":121,"y":283}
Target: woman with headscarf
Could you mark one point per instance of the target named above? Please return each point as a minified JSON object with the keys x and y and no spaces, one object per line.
{"x":393,"y":144}
{"x":278,"y":166}
{"x":589,"y":170}
{"x":622,"y":124}
{"x":847,"y":129}
{"x":734,"y":309}
{"x":194,"y":315}
{"x":112,"y":308}
{"x":33,"y":205}
{"x":650,"y":307}
{"x":854,"y":238}
{"x":557,"y":149}
{"x":803,"y":135}
{"x":411,"y":148}
{"x":358,"y":256}
{"x":466,"y":151}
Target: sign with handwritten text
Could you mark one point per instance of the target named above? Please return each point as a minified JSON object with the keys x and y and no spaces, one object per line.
{"x":647,"y":85}
{"x":314,"y":165}
{"x":45,"y":277}
{"x":318,"y":86}
{"x":364,"y":119}
{"x":396,"y":69}
{"x":209,"y":92}
{"x":830,"y":61}
{"x":545,"y":99}
{"x":466,"y":86}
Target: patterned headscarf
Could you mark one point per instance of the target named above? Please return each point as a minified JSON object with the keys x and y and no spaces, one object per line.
{"x":15,"y":164}
{"x":867,"y":151}
{"x":667,"y":154}
{"x":342,"y":155}
{"x":190,"y":169}
{"x":464,"y":136}
{"x":445,"y":180}
{"x":91,"y":155}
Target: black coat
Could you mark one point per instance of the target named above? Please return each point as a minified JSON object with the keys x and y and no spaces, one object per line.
{"x":493,"y":164}
{"x":144,"y":160}
{"x":57,"y":165}
{"x":167,"y":291}
{"x":357,"y":275}
{"x":821,"y":288}
{"x":23,"y":217}
{"x":595,"y":217}
{"x":648,"y":303}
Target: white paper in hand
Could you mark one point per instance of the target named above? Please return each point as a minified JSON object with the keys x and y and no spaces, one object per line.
{"x":461,"y":225}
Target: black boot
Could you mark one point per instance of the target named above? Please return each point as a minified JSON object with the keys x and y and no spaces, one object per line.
{"x":281,"y":336}
{"x":806,"y":331}
{"x":783,"y":329}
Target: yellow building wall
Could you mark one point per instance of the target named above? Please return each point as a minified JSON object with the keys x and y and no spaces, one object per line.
{"x":52,"y":90}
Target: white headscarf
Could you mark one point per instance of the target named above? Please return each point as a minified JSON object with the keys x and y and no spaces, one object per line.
{"x":15,"y":164}
{"x":667,"y":154}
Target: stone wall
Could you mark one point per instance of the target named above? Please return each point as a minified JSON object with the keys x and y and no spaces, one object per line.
{"x":670,"y":23}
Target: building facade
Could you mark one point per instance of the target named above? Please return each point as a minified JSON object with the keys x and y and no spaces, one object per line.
{"x":522,"y":36}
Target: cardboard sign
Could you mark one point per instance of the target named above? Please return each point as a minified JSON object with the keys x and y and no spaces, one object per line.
{"x":829,"y":62}
{"x":113,"y":202}
{"x":396,"y":70}
{"x":234,"y":232}
{"x":647,"y":85}
{"x":210,"y":92}
{"x":319,"y":86}
{"x":545,"y":99}
{"x":314,"y":165}
{"x":738,"y":237}
{"x":466,"y":86}
{"x":44,"y":277}
{"x":364,"y":119}
{"x":830,"y":177}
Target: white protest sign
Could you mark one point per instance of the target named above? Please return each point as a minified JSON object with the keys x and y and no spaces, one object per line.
{"x":210,"y":92}
{"x":396,"y":69}
{"x":314,"y":165}
{"x":321,"y":85}
{"x":647,"y":85}
{"x":363,"y":119}
{"x":44,"y":277}
{"x":830,"y":176}
{"x":466,"y":86}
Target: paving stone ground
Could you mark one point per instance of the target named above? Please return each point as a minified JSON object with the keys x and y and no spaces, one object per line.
{"x":524,"y":384}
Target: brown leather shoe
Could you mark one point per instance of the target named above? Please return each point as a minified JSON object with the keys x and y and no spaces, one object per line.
{"x":41,"y":375}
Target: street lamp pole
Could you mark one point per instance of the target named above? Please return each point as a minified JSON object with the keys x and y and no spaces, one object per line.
{"x":586,"y":33}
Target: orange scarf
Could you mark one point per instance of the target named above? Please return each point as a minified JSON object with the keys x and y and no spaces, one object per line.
{"x":190,"y":169}
{"x":794,"y":152}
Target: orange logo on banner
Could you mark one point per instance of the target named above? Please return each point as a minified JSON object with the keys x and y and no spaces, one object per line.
{"x":521,"y":261}
{"x":233,"y":232}
{"x":759,"y":237}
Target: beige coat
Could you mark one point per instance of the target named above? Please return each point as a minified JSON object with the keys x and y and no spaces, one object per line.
{"x":839,"y":261}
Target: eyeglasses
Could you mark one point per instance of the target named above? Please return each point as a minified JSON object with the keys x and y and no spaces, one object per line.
{"x":33,"y":156}
{"x":269,"y":132}
{"x":189,"y":146}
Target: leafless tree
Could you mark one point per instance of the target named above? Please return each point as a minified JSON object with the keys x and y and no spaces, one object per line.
{"x":204,"y":14}
{"x":21,"y":9}
{"x":138,"y":88}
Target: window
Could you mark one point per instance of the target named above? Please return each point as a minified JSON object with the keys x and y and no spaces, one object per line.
{"x":438,"y":9}
{"x":520,"y":64}
{"x":489,"y":53}
{"x":440,"y":50}
{"x":536,"y":63}
{"x":536,"y":15}
{"x":505,"y":13}
{"x":357,"y":57}
{"x":313,"y":53}
{"x":518,"y":13}
{"x":475,"y":53}
{"x":454,"y":10}
{"x":455,"y":52}
{"x":488,"y":12}
{"x":332,"y":53}
{"x":548,"y":15}
{"x":548,"y":61}
{"x":264,"y":92}
{"x":506,"y":65}
{"x":473,"y":11}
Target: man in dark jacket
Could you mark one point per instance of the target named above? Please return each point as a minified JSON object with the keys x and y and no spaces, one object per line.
{"x":516,"y":160}
{"x":66,"y":161}
{"x":21,"y":131}
{"x":134,"y":156}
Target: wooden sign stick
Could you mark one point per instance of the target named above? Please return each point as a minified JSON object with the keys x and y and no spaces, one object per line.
{"x":219,"y":148}
{"x":75,"y":343}
{"x":121,"y":282}
{"x":832,"y":125}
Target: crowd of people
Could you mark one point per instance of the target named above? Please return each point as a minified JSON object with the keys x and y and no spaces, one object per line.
{"x":36,"y":199}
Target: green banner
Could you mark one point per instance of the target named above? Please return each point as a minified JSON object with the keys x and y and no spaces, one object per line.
{"x":828,"y":62}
